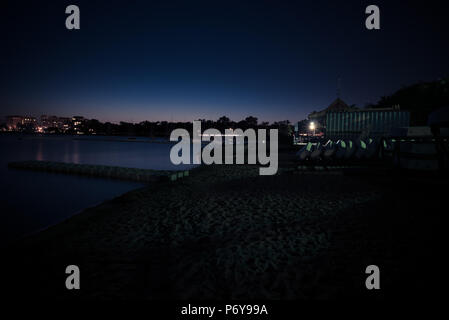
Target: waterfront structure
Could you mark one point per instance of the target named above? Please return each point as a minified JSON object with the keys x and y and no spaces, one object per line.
{"x":319,"y":118}
{"x":49,"y":124}
{"x":365,"y":123}
{"x":44,"y":121}
{"x":53,"y":122}
{"x":64,"y":124}
{"x":339,"y":121}
{"x":29,"y":121}
{"x":14,"y":123}
{"x":78,"y":122}
{"x":316,"y":124}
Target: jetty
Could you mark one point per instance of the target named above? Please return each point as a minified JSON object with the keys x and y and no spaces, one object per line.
{"x":100,"y":171}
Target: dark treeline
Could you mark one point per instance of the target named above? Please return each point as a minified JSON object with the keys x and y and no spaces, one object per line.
{"x":420,"y":99}
{"x":164,"y":128}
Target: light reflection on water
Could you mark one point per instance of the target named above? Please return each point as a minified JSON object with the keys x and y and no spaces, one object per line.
{"x":34,"y":200}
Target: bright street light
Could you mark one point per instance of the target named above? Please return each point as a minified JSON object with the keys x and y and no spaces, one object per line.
{"x":312,"y":126}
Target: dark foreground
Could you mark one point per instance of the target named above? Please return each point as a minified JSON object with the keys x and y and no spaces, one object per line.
{"x":227,"y":233}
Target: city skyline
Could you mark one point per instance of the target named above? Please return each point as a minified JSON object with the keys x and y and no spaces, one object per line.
{"x":39,"y":118}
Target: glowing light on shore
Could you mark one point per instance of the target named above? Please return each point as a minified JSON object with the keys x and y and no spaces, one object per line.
{"x":312,"y":126}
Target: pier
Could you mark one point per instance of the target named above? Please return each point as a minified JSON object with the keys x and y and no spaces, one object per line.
{"x":100,"y":171}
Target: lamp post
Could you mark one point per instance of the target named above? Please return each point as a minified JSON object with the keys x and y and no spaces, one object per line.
{"x":312,"y":127}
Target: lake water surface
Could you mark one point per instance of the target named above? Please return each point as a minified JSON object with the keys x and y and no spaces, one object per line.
{"x":32,"y":200}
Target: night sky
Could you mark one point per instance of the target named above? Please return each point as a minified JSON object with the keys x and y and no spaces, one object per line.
{"x":184,"y":60}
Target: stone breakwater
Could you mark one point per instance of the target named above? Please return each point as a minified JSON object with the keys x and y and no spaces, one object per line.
{"x":112,"y":172}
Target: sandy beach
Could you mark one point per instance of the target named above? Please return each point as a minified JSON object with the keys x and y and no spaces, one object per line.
{"x":226,"y":232}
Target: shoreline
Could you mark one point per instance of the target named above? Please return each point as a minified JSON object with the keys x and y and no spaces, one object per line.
{"x":226,"y":232}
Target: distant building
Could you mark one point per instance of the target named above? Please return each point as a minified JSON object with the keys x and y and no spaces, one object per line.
{"x":78,"y":123}
{"x":77,"y":120}
{"x":12,"y":122}
{"x":64,"y":124}
{"x":16,"y":123}
{"x":339,"y":120}
{"x":55,"y":123}
{"x":44,"y":122}
{"x":29,"y":121}
{"x":319,"y":118}
{"x":365,"y":122}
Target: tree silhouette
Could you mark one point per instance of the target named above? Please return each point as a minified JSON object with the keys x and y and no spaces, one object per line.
{"x":420,"y":99}
{"x":251,"y":121}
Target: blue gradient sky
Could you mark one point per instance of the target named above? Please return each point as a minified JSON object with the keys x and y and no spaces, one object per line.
{"x":184,"y":60}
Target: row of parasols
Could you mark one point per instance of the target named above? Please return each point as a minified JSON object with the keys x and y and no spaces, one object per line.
{"x":349,"y":149}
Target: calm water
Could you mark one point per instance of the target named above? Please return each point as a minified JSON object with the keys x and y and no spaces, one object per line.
{"x":31,"y":201}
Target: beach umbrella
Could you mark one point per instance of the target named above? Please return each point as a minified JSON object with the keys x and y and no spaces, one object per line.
{"x":362,"y":149}
{"x":329,"y":149}
{"x":305,"y":152}
{"x":317,"y":152}
{"x":350,"y":149}
{"x":341,"y":149}
{"x":372,"y":148}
